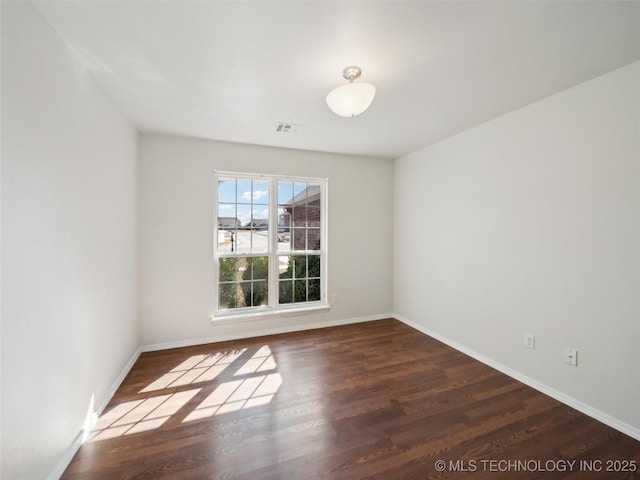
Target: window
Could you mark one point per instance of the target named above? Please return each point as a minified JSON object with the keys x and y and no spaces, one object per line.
{"x":269,"y":244}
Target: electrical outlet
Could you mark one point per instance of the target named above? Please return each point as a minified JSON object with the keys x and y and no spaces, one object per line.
{"x":530,"y":341}
{"x":334,"y":299}
{"x":571,"y":356}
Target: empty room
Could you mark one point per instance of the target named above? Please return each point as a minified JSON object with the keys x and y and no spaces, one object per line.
{"x":320,"y":239}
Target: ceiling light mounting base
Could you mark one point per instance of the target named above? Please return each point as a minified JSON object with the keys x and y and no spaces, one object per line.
{"x":351,"y":73}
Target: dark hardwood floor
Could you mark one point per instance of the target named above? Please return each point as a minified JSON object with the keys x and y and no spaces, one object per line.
{"x":371,"y":400}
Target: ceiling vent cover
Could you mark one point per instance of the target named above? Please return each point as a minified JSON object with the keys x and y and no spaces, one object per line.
{"x":283,"y":127}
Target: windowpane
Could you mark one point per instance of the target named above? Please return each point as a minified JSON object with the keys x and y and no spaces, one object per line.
{"x":241,"y":241}
{"x":299,"y":193}
{"x":313,"y":294}
{"x":244,"y":191}
{"x":284,"y":217}
{"x":244,"y":215}
{"x":299,"y":266}
{"x":260,"y":217}
{"x":300,"y":291}
{"x":259,"y":241}
{"x":227,"y":190}
{"x":284,"y":240}
{"x":313,"y":239}
{"x":285,"y":192}
{"x":227,"y":297}
{"x":314,"y":266}
{"x":299,"y":216}
{"x":244,"y":294}
{"x":285,"y":267}
{"x":227,"y":269}
{"x":227,"y":211}
{"x":260,"y":293}
{"x":299,"y":240}
{"x":260,"y":192}
{"x":313,"y":217}
{"x":260,"y":268}
{"x":285,"y":295}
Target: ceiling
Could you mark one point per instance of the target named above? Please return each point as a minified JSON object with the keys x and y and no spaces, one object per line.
{"x":232,"y":70}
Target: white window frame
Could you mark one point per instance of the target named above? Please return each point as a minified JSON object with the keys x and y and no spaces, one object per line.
{"x":272,"y":308}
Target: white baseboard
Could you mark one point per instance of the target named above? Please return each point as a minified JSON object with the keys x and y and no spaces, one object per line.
{"x":114,"y":387}
{"x":541,"y":387}
{"x":261,"y":333}
{"x":64,"y":462}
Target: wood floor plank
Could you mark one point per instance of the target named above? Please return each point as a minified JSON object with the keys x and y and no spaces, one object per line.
{"x":370,"y":400}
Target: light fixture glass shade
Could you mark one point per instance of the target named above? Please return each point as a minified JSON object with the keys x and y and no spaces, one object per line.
{"x":351,"y":99}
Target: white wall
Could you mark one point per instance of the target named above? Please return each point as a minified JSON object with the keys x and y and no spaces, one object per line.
{"x":176,"y":227}
{"x":69,"y":280}
{"x":531,"y":223}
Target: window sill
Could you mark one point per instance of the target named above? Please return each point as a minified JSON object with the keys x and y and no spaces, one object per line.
{"x":225,"y":318}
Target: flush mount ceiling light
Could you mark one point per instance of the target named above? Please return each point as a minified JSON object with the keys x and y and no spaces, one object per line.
{"x":353,"y":98}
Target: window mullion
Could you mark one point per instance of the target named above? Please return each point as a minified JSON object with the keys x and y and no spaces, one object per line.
{"x":273,"y":243}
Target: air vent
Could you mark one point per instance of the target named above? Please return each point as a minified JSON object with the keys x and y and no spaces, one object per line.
{"x":283,"y":127}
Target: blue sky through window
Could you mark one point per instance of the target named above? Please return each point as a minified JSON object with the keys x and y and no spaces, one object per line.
{"x":248,"y":200}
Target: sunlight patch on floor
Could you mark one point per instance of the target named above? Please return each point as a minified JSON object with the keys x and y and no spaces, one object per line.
{"x":140,"y":415}
{"x":198,"y":368}
{"x":253,"y":383}
{"x":261,"y":361}
{"x":236,"y":395}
